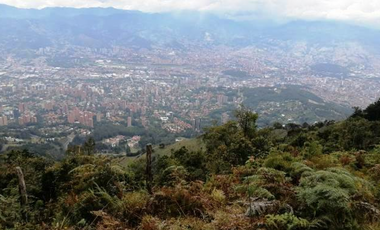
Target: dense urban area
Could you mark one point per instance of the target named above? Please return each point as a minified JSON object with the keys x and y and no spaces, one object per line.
{"x":62,"y":96}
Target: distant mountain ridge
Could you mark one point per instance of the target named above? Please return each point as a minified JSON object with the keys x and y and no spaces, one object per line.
{"x":106,"y":27}
{"x":18,"y":13}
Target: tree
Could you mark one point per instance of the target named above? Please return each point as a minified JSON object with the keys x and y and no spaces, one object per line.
{"x":128,"y":149}
{"x":358,"y":112}
{"x":372,"y":112}
{"x":277,"y":125}
{"x":193,"y":162}
{"x":89,"y":146}
{"x":247,"y":121}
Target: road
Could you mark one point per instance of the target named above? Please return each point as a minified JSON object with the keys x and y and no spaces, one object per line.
{"x":70,"y":138}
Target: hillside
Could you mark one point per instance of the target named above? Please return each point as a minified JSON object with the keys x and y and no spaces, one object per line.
{"x":321,"y":177}
{"x":193,"y":144}
{"x":289,"y":104}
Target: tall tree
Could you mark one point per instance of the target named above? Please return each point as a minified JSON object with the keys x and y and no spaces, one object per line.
{"x":89,"y":146}
{"x":247,"y":121}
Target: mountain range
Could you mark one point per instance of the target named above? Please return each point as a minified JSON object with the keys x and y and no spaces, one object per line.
{"x":107,"y":27}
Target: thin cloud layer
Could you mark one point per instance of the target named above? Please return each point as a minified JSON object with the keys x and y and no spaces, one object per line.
{"x":361,"y":11}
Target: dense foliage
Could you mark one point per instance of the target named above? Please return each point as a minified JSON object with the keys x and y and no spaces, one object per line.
{"x":321,"y":176}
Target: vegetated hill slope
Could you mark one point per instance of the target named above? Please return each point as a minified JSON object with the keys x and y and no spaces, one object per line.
{"x":322,"y":177}
{"x":195,"y":144}
{"x":288,"y":104}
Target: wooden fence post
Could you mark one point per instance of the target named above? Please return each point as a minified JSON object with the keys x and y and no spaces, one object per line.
{"x":149,"y":175}
{"x":22,"y":191}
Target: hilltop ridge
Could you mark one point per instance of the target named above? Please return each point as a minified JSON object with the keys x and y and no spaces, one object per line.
{"x":285,"y":176}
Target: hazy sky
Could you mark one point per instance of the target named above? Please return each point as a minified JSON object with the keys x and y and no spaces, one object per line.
{"x":367,"y":11}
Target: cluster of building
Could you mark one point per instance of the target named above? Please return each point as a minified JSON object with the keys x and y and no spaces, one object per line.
{"x":85,"y":118}
{"x":176,"y":90}
{"x":27,"y":119}
{"x":133,"y":143}
{"x":114,"y":141}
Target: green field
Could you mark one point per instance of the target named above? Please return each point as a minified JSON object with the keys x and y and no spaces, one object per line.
{"x":193,"y":144}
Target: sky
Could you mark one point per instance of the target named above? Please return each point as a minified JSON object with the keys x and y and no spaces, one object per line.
{"x":359,"y":11}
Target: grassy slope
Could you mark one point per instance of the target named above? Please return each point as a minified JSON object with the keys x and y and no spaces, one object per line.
{"x":191,"y":144}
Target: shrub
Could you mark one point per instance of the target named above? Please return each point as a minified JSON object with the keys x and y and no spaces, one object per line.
{"x":332,"y":194}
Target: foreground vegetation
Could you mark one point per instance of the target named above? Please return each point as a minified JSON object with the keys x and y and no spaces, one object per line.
{"x":323,"y":176}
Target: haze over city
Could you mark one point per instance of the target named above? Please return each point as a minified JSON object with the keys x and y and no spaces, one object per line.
{"x":190,"y":114}
{"x":344,"y":10}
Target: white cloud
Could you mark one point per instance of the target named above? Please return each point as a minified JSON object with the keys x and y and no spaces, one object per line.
{"x":362,"y":11}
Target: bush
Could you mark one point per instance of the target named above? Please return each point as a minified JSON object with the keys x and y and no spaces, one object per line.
{"x":332,"y":194}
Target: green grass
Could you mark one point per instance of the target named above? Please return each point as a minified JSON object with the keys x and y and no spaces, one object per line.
{"x":191,"y":144}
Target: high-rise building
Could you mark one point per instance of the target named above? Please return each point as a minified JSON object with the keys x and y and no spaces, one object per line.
{"x":222,"y":99}
{"x":21,"y":107}
{"x":48,"y":106}
{"x":65,"y":109}
{"x":5,"y":120}
{"x":90,"y":122}
{"x":197,"y":124}
{"x":71,"y":118}
{"x":76,"y":113}
{"x":27,"y":119}
{"x":33,"y":120}
{"x":224,"y":118}
{"x":143,"y":121}
{"x":129,"y":121}
{"x":99,"y":117}
{"x":16,"y":114}
{"x":81,"y":119}
{"x":123,"y":105}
